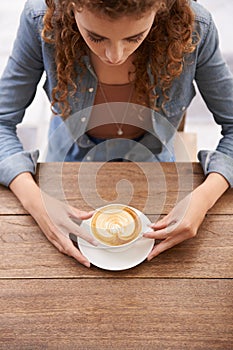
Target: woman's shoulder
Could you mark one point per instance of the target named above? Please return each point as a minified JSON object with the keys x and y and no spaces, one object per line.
{"x":204,"y":23}
{"x":31,"y":19}
{"x":202,"y":15}
{"x":36,"y":7}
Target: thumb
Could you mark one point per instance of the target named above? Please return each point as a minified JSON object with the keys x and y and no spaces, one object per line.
{"x":80,"y":214}
{"x":86,"y":214}
{"x":160,"y":224}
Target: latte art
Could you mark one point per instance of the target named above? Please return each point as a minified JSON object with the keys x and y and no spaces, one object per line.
{"x":115,"y":225}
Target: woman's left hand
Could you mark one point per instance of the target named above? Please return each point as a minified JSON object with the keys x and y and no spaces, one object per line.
{"x":186,"y":217}
{"x":180,"y":224}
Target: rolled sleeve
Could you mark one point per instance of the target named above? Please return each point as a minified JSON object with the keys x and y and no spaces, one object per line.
{"x":217,"y":162}
{"x":16,"y":164}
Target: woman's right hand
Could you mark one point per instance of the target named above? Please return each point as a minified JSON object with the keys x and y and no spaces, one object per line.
{"x":55,"y":218}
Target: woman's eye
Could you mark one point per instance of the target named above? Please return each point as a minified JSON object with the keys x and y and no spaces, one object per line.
{"x":100,"y":40}
{"x":94,"y":39}
{"x":135,"y":40}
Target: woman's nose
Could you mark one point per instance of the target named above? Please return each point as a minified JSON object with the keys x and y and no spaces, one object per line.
{"x":114,"y":53}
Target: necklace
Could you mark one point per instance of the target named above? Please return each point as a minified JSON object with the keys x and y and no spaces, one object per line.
{"x":119,"y":126}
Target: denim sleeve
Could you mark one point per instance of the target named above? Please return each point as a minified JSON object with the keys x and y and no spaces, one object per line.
{"x":215,"y":83}
{"x":17,"y":90}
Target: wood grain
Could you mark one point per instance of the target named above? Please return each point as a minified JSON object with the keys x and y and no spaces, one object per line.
{"x":26,"y":253}
{"x":153,"y":188}
{"x":182,"y":299}
{"x":116,"y":314}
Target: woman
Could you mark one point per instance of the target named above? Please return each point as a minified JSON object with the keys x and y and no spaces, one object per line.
{"x":94,"y":51}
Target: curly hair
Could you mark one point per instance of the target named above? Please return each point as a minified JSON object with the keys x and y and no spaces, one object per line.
{"x":165,"y":47}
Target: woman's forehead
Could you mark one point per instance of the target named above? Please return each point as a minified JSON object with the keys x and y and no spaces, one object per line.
{"x":126,"y":24}
{"x":116,"y":9}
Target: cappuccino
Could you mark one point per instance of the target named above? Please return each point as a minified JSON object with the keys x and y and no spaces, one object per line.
{"x":116,"y":225}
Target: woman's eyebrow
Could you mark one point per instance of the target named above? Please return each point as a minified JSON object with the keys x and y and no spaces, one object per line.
{"x":103,"y":37}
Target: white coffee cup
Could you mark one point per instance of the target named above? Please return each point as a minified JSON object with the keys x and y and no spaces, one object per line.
{"x":116,"y":226}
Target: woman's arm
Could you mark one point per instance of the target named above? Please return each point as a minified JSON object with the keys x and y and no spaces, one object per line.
{"x":53,"y":217}
{"x":18,"y":86}
{"x":215,"y":83}
{"x":186,"y":217}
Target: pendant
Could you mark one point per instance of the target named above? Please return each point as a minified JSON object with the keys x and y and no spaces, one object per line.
{"x":119,"y":132}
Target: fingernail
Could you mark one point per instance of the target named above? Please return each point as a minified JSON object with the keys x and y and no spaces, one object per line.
{"x":95,"y":243}
{"x":147,"y":234}
{"x":87,"y":264}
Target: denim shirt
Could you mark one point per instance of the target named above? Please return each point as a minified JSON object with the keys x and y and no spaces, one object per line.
{"x":31,"y":56}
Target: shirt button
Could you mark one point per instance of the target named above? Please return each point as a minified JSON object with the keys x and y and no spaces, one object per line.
{"x":88,"y":158}
{"x":91,"y":89}
{"x":83,"y":119}
{"x":183,"y":108}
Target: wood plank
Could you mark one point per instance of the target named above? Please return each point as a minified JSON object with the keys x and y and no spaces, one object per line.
{"x":153,"y":188}
{"x":26,"y":253}
{"x":116,"y":314}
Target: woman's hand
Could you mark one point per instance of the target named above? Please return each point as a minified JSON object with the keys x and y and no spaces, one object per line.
{"x":180,"y":224}
{"x":56,"y":219}
{"x":186,"y":217}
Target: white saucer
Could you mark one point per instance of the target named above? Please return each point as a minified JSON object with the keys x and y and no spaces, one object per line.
{"x":121,"y":260}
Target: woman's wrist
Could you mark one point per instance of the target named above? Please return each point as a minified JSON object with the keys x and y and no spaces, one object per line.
{"x":212,"y":189}
{"x":26,"y":190}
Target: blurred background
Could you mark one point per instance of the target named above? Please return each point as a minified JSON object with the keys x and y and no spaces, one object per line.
{"x":33,"y":130}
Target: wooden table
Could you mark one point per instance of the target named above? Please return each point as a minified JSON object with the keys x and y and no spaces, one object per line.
{"x":183,"y":299}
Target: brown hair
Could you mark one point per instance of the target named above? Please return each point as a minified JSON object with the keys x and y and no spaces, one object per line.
{"x":165,"y":47}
